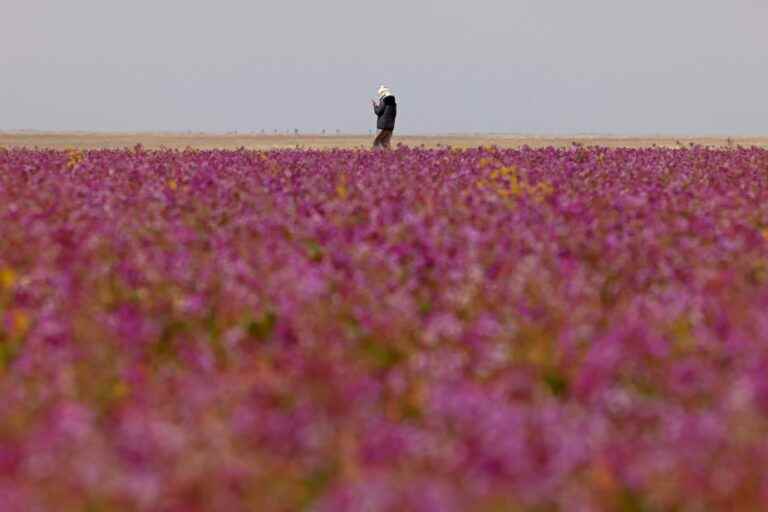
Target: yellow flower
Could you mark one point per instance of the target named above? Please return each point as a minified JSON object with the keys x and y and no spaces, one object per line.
{"x":120,"y":390}
{"x":341,"y":188}
{"x":19,"y":323}
{"x":75,"y":157}
{"x":7,"y":277}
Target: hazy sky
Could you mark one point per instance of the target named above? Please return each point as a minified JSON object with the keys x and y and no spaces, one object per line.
{"x":523,"y":66}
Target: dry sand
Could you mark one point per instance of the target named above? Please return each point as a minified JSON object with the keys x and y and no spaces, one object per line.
{"x":257,"y":141}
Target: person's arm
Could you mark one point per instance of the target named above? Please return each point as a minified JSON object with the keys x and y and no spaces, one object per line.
{"x":378,"y":108}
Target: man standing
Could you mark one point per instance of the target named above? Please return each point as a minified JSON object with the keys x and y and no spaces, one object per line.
{"x":386,"y":110}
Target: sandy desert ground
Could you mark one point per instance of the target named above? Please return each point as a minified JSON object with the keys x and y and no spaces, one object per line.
{"x":63,"y":140}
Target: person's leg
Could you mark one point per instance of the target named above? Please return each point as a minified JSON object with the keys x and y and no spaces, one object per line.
{"x":378,"y":141}
{"x":387,"y":139}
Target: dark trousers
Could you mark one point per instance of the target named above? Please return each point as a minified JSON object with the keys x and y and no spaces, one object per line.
{"x":382,"y":139}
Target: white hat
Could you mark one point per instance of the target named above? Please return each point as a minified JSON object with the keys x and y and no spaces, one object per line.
{"x":384,"y":91}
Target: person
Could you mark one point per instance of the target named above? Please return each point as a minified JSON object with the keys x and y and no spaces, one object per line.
{"x":386,"y":111}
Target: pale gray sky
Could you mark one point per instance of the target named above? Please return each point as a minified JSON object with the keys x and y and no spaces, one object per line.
{"x":523,"y":66}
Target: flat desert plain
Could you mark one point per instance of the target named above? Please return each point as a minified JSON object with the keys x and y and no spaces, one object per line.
{"x":62,"y":140}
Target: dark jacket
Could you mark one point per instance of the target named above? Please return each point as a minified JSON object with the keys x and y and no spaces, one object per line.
{"x":387,"y":112}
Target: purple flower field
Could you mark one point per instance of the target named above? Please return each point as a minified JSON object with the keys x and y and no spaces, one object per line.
{"x":416,"y":330}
